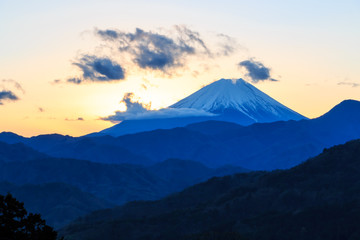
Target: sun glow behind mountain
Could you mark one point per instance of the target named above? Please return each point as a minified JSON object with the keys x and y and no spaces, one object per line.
{"x":227,"y":100}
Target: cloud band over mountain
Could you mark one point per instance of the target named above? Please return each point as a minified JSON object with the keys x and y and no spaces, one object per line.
{"x":136,"y":111}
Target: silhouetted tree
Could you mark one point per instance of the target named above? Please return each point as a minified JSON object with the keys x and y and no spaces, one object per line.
{"x":17,"y":224}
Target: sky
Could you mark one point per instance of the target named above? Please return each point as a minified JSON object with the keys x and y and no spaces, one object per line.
{"x":65,"y":66}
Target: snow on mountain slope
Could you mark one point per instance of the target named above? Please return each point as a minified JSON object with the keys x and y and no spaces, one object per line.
{"x":228,"y":100}
{"x":230,"y":96}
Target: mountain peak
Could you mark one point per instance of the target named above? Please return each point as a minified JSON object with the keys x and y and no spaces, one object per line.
{"x":238,"y":96}
{"x":348,"y":103}
{"x":219,"y":94}
{"x":346,"y":110}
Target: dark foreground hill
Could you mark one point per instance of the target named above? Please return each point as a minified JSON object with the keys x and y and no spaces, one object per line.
{"x":114,"y":183}
{"x":58,"y":203}
{"x":319,"y":199}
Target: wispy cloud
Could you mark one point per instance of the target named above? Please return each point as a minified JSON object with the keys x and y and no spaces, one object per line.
{"x":228,"y":45}
{"x":146,"y":84}
{"x":137,"y":110}
{"x":256,"y":71}
{"x":14,"y":83}
{"x":56,"y":81}
{"x":76,"y":119}
{"x":95,"y":69}
{"x":351,"y":84}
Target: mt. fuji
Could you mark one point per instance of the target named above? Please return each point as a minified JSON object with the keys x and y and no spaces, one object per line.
{"x":224,"y":100}
{"x":238,"y":101}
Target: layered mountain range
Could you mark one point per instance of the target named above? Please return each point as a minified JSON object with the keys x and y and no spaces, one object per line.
{"x":261,"y":146}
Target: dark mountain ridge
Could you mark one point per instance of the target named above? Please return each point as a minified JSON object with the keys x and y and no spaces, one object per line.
{"x":261,"y":146}
{"x":99,"y":149}
{"x":15,"y":152}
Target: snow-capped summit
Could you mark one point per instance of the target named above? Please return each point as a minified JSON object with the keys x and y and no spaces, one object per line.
{"x":224,"y":100}
{"x":238,"y":101}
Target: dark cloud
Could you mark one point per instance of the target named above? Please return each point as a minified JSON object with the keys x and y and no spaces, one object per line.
{"x":7,"y":96}
{"x":167,"y":51}
{"x":256,"y":71}
{"x":96,"y":69}
{"x":9,"y":89}
{"x":156,"y":51}
{"x":137,"y":110}
{"x":352,"y":84}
